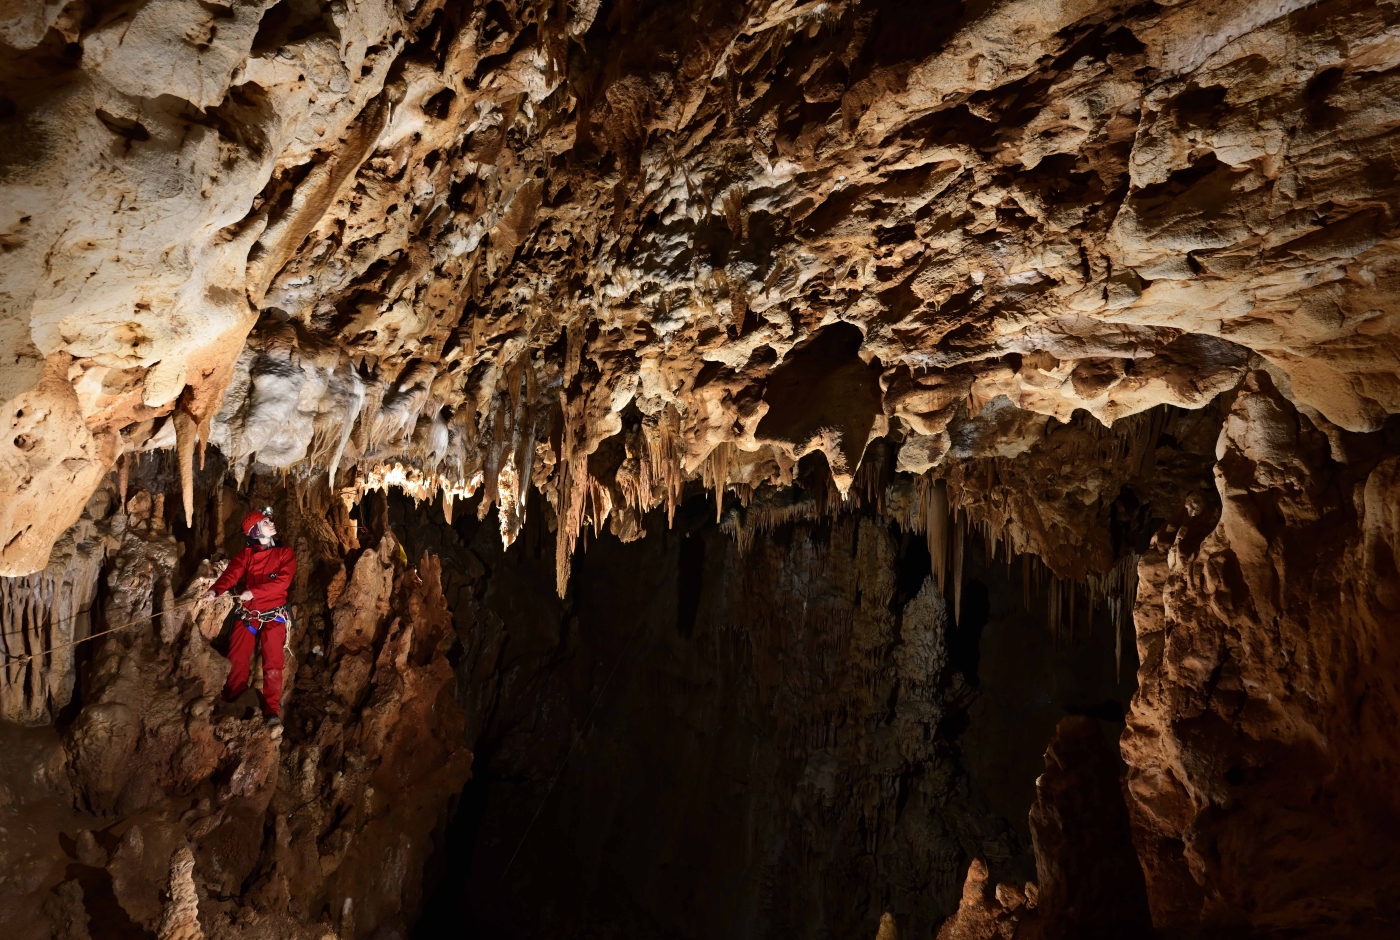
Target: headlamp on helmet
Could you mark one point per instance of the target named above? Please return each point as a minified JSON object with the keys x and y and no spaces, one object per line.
{"x":254,"y":519}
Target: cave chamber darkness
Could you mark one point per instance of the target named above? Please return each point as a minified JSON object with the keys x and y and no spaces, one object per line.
{"x":783,"y":741}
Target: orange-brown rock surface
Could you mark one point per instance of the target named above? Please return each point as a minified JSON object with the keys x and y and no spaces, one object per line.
{"x":158,"y":810}
{"x":1262,"y":742}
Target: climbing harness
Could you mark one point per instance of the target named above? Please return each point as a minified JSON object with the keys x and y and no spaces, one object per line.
{"x":263,"y":617}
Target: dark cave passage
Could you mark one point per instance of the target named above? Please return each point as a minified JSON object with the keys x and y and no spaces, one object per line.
{"x":785,"y":742}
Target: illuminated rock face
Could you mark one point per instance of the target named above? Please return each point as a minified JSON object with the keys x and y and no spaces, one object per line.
{"x":1267,"y":683}
{"x":454,"y":228}
{"x":1109,"y":286}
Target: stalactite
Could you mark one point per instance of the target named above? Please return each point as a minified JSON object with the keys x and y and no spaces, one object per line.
{"x":572,"y":483}
{"x":513,"y":447}
{"x":672,"y":456}
{"x":715,"y":474}
{"x":935,"y":499}
{"x":959,"y":550}
{"x":491,"y":465}
{"x":1117,"y":592}
{"x":1117,"y":652}
{"x":747,"y":525}
{"x":369,"y":412}
{"x":43,"y":611}
{"x":355,"y":407}
{"x":186,"y":430}
{"x":123,"y":476}
{"x":599,"y":503}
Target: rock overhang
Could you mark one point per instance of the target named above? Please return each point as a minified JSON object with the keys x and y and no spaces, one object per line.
{"x":464,"y":241}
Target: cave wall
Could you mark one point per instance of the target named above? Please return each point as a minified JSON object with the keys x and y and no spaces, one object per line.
{"x":1262,"y":742}
{"x":1102,"y":279}
{"x":781,"y":727}
{"x":144,"y":806}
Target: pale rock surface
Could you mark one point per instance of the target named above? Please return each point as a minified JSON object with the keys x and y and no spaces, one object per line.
{"x":459,"y":228}
{"x":180,"y":920}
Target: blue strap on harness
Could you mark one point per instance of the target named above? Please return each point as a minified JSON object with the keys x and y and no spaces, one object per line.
{"x":249,"y":621}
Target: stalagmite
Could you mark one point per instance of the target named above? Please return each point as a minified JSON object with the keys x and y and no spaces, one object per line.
{"x":180,"y":920}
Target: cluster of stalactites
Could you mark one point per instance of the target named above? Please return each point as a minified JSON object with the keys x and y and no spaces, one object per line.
{"x":313,"y":409}
{"x":926,"y":505}
{"x":518,"y":441}
{"x":1069,"y":604}
{"x":45,"y":611}
{"x":650,"y":476}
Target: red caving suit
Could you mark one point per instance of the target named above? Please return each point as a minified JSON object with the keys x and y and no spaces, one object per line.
{"x":267,"y":572}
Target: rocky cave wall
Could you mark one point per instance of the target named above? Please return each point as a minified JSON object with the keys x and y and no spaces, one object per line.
{"x":1102,"y":290}
{"x":150,"y":808}
{"x":759,"y":753}
{"x":784,"y":723}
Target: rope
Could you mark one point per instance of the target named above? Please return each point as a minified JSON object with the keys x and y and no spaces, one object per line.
{"x":577,"y":735}
{"x":21,"y":660}
{"x":52,"y":623}
{"x":83,"y":613}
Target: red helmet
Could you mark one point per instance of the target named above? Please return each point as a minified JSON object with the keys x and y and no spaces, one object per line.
{"x":254,"y":519}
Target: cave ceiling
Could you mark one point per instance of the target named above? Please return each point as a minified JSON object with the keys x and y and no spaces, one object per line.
{"x":458,"y":246}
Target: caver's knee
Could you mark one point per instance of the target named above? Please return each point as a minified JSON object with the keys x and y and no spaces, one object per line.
{"x":273,"y":655}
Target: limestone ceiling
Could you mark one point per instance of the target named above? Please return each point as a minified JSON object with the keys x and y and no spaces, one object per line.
{"x":461,"y":245}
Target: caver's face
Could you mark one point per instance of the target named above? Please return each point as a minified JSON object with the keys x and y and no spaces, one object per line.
{"x":266,"y":529}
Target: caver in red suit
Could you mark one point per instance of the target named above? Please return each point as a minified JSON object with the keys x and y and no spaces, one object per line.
{"x":266,"y":570}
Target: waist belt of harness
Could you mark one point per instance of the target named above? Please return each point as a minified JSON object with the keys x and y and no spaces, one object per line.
{"x":254,"y":620}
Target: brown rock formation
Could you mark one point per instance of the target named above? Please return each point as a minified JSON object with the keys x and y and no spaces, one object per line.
{"x":180,"y":920}
{"x":193,"y":822}
{"x":981,"y":916}
{"x":1261,"y":743}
